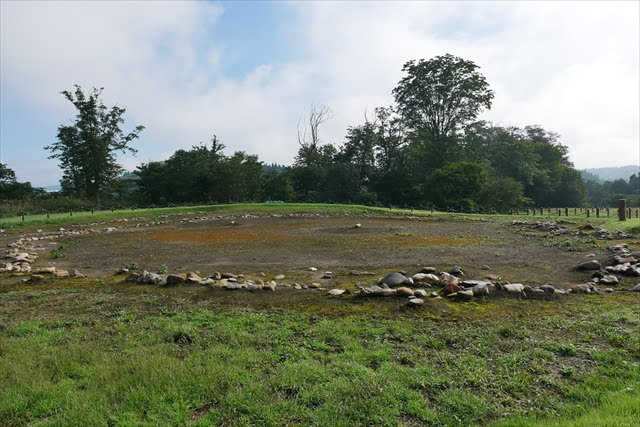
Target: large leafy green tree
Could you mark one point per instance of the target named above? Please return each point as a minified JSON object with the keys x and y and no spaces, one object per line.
{"x":87,"y":148}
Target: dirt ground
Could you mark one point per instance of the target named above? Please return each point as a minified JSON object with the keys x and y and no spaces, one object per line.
{"x":290,"y":244}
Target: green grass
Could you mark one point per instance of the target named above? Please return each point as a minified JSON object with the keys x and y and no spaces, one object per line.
{"x":97,"y":356}
{"x":34,"y":221}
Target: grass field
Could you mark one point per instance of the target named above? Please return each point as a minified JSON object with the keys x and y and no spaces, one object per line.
{"x":98,"y":351}
{"x":102,"y":355}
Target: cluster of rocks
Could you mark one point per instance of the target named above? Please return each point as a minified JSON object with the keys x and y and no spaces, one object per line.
{"x":451,"y":284}
{"x":227,"y":281}
{"x":558,"y":228}
{"x":622,"y":262}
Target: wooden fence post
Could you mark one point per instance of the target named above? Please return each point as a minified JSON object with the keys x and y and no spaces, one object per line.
{"x":622,"y":211}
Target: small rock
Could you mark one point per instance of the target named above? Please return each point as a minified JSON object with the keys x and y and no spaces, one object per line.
{"x":421,"y":293}
{"x":357,"y":225}
{"x":428,"y":270}
{"x":609,"y":280}
{"x":434,"y":295}
{"x":486,"y":267}
{"x":174,"y":279}
{"x":336,"y":292}
{"x":425,"y":279}
{"x":279,"y":277}
{"x":589,"y":265}
{"x":360,"y":273}
{"x":549,"y":289}
{"x":608,"y":290}
{"x":61,"y":273}
{"x":636,"y":288}
{"x":327,"y":275}
{"x":315,"y":286}
{"x":457,"y":271}
{"x":404,"y":292}
{"x":313,"y":269}
{"x":228,"y":276}
{"x":36,"y":278}
{"x":193,"y":278}
{"x":451,"y":288}
{"x":416,"y":302}
{"x":446,"y":279}
{"x":513,"y":288}
{"x":465,"y":294}
{"x":480,"y":289}
{"x":43,"y":270}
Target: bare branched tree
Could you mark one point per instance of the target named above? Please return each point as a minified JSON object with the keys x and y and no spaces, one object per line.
{"x":308,"y":133}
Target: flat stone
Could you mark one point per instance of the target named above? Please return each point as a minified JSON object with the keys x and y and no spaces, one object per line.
{"x":336,"y":292}
{"x":279,"y":277}
{"x":549,"y":289}
{"x":451,"y":288}
{"x":465,"y":294}
{"x":428,"y":270}
{"x":513,"y":288}
{"x":425,"y":279}
{"x":416,"y":302}
{"x":175,"y":279}
{"x":61,"y":273}
{"x":636,"y":288}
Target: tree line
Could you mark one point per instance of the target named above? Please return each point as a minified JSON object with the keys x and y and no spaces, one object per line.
{"x":428,"y":149}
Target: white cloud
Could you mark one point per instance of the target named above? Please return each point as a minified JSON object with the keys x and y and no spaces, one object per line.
{"x":570,"y":67}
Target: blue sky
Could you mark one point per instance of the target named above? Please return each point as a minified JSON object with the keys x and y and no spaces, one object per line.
{"x":247,"y":71}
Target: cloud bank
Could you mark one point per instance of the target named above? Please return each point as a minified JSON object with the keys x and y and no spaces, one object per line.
{"x":570,"y":67}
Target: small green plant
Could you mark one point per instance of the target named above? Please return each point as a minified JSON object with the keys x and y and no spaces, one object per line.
{"x":133,"y":265}
{"x":99,"y":282}
{"x":567,"y":350}
{"x":57,"y":252}
{"x":89,"y":264}
{"x":163,"y":269}
{"x":178,"y":268}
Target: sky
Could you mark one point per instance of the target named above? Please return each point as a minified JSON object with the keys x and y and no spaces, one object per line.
{"x":248,"y":71}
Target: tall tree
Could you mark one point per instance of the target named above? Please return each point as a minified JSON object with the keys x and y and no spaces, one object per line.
{"x":87,"y":148}
{"x":309,"y":135}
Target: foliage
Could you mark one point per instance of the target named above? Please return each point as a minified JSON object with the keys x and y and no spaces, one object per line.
{"x":87,"y":148}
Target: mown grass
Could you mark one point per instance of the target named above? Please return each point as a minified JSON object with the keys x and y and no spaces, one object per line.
{"x":632,"y":225}
{"x":94,"y":357}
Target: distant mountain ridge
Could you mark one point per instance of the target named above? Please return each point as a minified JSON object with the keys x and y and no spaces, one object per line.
{"x":611,"y":173}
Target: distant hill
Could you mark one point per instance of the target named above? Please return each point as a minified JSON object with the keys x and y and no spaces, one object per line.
{"x":610,"y":173}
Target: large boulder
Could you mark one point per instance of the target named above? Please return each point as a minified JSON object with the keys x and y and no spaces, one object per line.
{"x":393,"y":279}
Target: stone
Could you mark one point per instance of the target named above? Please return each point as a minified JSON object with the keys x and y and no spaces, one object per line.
{"x":360,"y":273}
{"x":313,"y":269}
{"x":446,"y":279}
{"x":480,"y":289}
{"x":528,"y":290}
{"x":327,"y":275}
{"x":493,"y":277}
{"x":228,"y":276}
{"x":589,"y":265}
{"x":486,"y":267}
{"x":193,"y":278}
{"x":36,"y":278}
{"x":404,"y":292}
{"x":425,"y":279}
{"x":76,"y":273}
{"x":549,"y":289}
{"x":46,"y":270}
{"x":336,"y":292}
{"x":208,"y":282}
{"x":271,"y":286}
{"x":428,"y":270}
{"x":608,"y":280}
{"x":636,"y":288}
{"x":175,"y":279}
{"x":296,"y":286}
{"x":584,"y":288}
{"x":252,"y":287}
{"x":357,"y":225}
{"x":61,"y":273}
{"x":279,"y":277}
{"x":457,"y":271}
{"x":434,"y":295}
{"x":420,"y":293}
{"x":416,"y":302}
{"x":608,"y":290}
{"x":465,"y":294}
{"x":393,"y":279}
{"x":513,"y":288}
{"x":148,"y":278}
{"x":408,"y":282}
{"x":450,"y":288}
{"x":315,"y":286}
